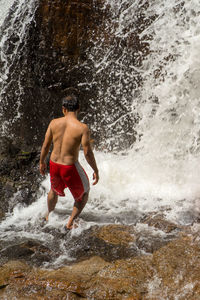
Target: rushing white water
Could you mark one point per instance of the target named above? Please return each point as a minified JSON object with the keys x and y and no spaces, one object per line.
{"x":15,"y":17}
{"x":161,"y":169}
{"x":160,"y":172}
{"x":4,"y":8}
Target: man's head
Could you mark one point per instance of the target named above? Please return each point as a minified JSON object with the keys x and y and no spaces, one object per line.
{"x":70,"y":103}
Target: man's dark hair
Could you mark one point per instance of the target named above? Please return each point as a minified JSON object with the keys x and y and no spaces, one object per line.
{"x":70,"y":102}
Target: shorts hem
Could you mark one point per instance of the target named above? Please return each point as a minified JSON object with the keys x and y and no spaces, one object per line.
{"x":58,"y":193}
{"x":81,"y":197}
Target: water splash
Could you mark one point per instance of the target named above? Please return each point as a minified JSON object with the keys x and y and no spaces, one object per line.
{"x":157,"y":86}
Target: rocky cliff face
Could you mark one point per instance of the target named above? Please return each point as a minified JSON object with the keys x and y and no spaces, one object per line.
{"x":51,"y":57}
{"x":60,"y":49}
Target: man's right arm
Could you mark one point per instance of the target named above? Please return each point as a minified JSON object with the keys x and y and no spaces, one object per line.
{"x":89,"y":155}
{"x":45,"y":149}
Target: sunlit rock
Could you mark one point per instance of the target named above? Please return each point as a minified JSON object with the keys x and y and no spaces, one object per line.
{"x":116,"y":234}
{"x":172,"y":271}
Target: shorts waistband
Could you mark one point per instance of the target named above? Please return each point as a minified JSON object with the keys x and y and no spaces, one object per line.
{"x":55,"y":163}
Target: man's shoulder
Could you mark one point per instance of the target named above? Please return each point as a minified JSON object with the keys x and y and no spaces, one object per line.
{"x":84,"y":126}
{"x":56,"y":120}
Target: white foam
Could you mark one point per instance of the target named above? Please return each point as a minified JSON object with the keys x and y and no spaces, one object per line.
{"x":4,"y":8}
{"x":126,"y":184}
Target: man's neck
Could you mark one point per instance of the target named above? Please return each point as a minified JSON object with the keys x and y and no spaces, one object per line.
{"x":71,"y":114}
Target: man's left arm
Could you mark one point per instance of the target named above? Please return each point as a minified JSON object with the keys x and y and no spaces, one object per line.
{"x":45,"y":149}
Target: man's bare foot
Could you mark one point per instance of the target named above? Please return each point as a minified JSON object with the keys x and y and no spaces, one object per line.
{"x":71,"y":224}
{"x":47,"y":216}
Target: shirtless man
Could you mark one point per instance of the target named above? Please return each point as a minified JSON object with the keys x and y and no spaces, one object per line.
{"x":67,"y":134}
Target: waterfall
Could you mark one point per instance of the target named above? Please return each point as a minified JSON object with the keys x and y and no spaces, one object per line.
{"x":15,"y":17}
{"x":152,"y":51}
{"x":158,"y":90}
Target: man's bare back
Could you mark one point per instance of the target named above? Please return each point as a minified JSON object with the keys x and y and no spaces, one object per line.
{"x":67,"y":134}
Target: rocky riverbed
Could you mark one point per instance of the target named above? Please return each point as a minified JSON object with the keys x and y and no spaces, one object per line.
{"x":170,"y":272}
{"x":155,"y":259}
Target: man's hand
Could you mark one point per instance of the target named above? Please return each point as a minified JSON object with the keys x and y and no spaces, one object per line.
{"x":43,"y":168}
{"x":95,"y":178}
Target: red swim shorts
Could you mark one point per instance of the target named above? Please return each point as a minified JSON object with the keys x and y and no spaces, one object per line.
{"x":69,"y":176}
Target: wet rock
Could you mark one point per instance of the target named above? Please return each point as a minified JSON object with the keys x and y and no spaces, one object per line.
{"x":149,"y":242}
{"x":150,"y":238}
{"x":19,"y":177}
{"x":8,"y":147}
{"x":159,"y":221}
{"x":56,"y":53}
{"x":16,"y":252}
{"x":30,"y":251}
{"x":110,"y":242}
{"x":12,"y":269}
{"x":9,"y":189}
{"x":35,"y":246}
{"x":177,"y":269}
{"x":53,"y":57}
{"x":130,"y":240}
{"x":172,"y":271}
{"x":94,"y":246}
{"x":1,"y":214}
{"x":116,"y":234}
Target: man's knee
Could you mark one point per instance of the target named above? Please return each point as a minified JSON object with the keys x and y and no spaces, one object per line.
{"x":85,"y":196}
{"x":84,"y":199}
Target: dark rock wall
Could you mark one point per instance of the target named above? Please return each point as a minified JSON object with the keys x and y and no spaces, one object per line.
{"x":52,"y":58}
{"x":60,"y":50}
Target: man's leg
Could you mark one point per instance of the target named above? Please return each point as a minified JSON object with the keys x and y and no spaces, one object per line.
{"x":77,"y":209}
{"x":51,"y":202}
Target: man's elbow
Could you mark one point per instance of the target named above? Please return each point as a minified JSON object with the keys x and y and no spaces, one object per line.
{"x":88,"y":153}
{"x":46,"y":147}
